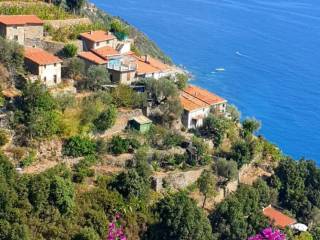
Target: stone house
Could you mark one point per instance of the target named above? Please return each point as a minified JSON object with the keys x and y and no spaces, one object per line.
{"x":21,"y":27}
{"x":98,"y":39}
{"x":44,"y":66}
{"x":197,"y":103}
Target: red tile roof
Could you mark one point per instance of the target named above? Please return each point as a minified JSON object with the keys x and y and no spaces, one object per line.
{"x":20,"y":20}
{"x":40,"y":56}
{"x":97,"y":36}
{"x":106,"y":52}
{"x":90,"y":56}
{"x":278,"y":218}
{"x":204,"y":95}
{"x":191,"y":103}
{"x":152,"y":65}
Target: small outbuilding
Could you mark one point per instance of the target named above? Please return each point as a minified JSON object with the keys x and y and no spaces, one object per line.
{"x":140,"y":123}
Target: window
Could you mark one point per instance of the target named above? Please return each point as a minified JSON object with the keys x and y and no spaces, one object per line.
{"x":55,"y":65}
{"x":97,"y":44}
{"x":55,"y":78}
{"x":45,"y":79}
{"x":16,"y":37}
{"x":15,"y":27}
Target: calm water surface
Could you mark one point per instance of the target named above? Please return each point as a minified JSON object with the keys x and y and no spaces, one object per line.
{"x":269,"y":50}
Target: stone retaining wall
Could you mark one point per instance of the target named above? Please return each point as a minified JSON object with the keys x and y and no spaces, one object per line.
{"x":67,"y":22}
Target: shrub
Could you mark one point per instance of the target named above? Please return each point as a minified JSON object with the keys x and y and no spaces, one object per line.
{"x":227,"y":168}
{"x":27,"y":161}
{"x":78,"y":146}
{"x":119,"y":145}
{"x":82,"y":169}
{"x":3,"y":137}
{"x":106,"y":119}
{"x":86,"y":234}
{"x":70,"y":50}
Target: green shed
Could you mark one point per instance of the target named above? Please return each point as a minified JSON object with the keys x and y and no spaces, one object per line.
{"x":141,"y":123}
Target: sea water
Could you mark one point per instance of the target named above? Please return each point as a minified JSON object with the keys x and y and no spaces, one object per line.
{"x":261,"y":55}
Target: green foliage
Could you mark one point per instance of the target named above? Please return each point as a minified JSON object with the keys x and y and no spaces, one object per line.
{"x":11,"y":55}
{"x":118,"y":27}
{"x":78,"y":146}
{"x":75,"y":5}
{"x":43,"y":11}
{"x":181,"y":81}
{"x":75,"y":69}
{"x":97,"y":76}
{"x":131,"y":184}
{"x":28,"y":160}
{"x":303,"y":236}
{"x":124,"y":96}
{"x":62,"y":194}
{"x":65,"y":101}
{"x":226,"y":168}
{"x":106,"y":119}
{"x":37,"y":111}
{"x":86,"y":234}
{"x":234,"y":113}
{"x":70,"y":50}
{"x":215,"y":127}
{"x":207,"y":185}
{"x":172,"y":139}
{"x":180,"y":218}
{"x":241,"y":153}
{"x":119,"y":145}
{"x":240,"y":215}
{"x":250,"y":126}
{"x":202,"y":152}
{"x":299,"y":190}
{"x":3,"y":137}
{"x":82,"y":169}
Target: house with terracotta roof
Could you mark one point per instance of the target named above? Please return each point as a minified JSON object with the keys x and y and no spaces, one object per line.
{"x":277,"y":218}
{"x":45,"y":66}
{"x":148,"y":67}
{"x":197,"y":103}
{"x":98,"y":39}
{"x":20,"y":28}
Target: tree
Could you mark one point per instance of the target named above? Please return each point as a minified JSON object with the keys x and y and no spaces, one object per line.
{"x":234,"y":113}
{"x":215,"y":127}
{"x":303,"y":236}
{"x":78,"y":146}
{"x":250,"y":126}
{"x":37,"y":111}
{"x":181,"y":81}
{"x":207,"y":185}
{"x":97,"y":76}
{"x":75,"y":5}
{"x":241,"y":153}
{"x":180,"y":218}
{"x":227,"y":169}
{"x":106,"y":119}
{"x":76,"y":69}
{"x":65,"y":101}
{"x":70,"y":50}
{"x":3,"y":137}
{"x":131,"y":184}
{"x":62,"y":194}
{"x":124,"y":96}
{"x":86,"y":233}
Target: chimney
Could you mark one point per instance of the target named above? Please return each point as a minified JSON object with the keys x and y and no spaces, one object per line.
{"x":146,"y":59}
{"x":91,"y":32}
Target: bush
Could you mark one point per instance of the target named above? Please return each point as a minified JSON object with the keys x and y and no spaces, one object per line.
{"x":227,"y":169}
{"x":82,"y":169}
{"x":27,"y":161}
{"x":86,"y":234}
{"x":3,"y":137}
{"x":106,"y":119}
{"x":70,"y":50}
{"x":119,"y":145}
{"x":78,"y":146}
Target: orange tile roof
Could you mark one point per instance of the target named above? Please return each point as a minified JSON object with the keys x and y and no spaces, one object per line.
{"x":278,"y":218}
{"x":98,"y":36}
{"x":106,"y":52}
{"x":204,"y":95}
{"x":40,"y":56}
{"x":143,"y":67}
{"x":158,"y":64}
{"x":20,"y":19}
{"x":191,"y":103}
{"x":90,"y":56}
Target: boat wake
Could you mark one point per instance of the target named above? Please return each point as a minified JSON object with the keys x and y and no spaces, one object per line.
{"x":241,"y":54}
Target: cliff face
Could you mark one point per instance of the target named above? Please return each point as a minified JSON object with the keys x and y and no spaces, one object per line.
{"x":142,"y":43}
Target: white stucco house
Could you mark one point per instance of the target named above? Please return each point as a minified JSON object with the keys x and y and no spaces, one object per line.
{"x":20,"y":28}
{"x":197,"y":103}
{"x":45,"y":66}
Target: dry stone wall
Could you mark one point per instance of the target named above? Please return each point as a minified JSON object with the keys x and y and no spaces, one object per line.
{"x":67,"y":22}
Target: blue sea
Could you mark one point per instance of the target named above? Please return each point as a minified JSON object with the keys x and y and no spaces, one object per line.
{"x":267,"y":53}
